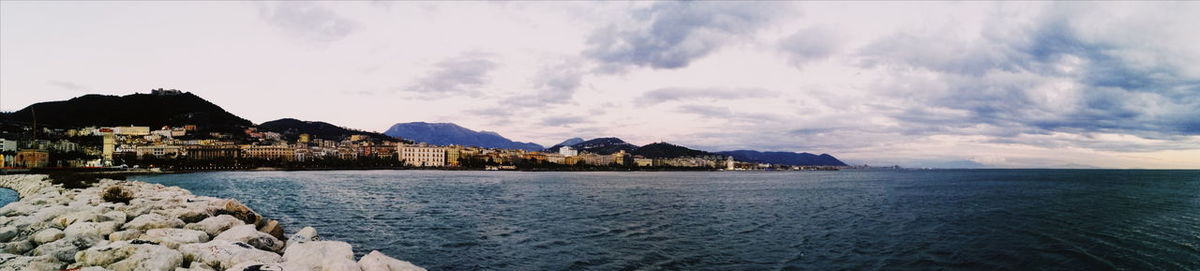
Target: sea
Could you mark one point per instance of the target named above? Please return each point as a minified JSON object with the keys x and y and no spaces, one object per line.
{"x":1001,"y":219}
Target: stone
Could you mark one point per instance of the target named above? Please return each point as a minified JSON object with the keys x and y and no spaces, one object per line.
{"x":116,"y":216}
{"x":215,"y":225}
{"x":256,"y":266}
{"x":152,"y":221}
{"x":273,"y":228}
{"x":222,"y":254}
{"x":20,"y":263}
{"x":238,"y":210}
{"x":305,"y":235}
{"x":17,"y":247}
{"x":247,"y":234}
{"x":172,"y":238}
{"x":64,"y":249}
{"x":7,"y":233}
{"x":376,"y":261}
{"x":125,"y":235}
{"x":48,"y":235}
{"x":196,"y":266}
{"x":125,"y":255}
{"x":91,"y":228}
{"x":320,"y":256}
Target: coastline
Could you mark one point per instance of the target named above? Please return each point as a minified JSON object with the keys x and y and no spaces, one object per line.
{"x":131,"y":225}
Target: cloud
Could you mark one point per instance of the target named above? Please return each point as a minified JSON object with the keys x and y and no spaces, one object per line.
{"x":811,"y":44}
{"x":66,"y":85}
{"x":1072,"y":69}
{"x":555,"y":84}
{"x":562,"y":121}
{"x":307,"y":20}
{"x":462,"y":74}
{"x":670,"y":35}
{"x":663,"y":95}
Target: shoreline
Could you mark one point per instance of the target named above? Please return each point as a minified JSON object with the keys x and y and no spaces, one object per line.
{"x":132,"y":225}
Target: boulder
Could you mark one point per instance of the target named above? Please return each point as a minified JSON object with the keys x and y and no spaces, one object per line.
{"x":91,"y":228}
{"x":48,"y":235}
{"x":152,"y":221}
{"x":17,"y":247}
{"x":256,"y":266}
{"x":125,"y":235}
{"x":172,"y":238}
{"x":7,"y":233}
{"x":126,"y":255}
{"x":320,"y":256}
{"x":273,"y":228}
{"x":215,"y":225}
{"x":238,"y":210}
{"x":376,"y":261}
{"x":196,"y":266}
{"x":117,"y":216}
{"x":20,"y":263}
{"x":222,"y":254}
{"x":64,"y":249}
{"x":305,"y":235}
{"x":247,"y":234}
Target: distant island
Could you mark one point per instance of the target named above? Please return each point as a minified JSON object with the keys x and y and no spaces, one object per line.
{"x":176,"y":130}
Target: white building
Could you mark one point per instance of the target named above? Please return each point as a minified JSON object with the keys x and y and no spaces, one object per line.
{"x":8,"y":145}
{"x":568,"y":151}
{"x":422,"y":155}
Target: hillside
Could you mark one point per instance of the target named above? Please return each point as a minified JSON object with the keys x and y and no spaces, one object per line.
{"x":785,"y":158}
{"x":292,"y":128}
{"x":668,"y":150}
{"x":604,"y":145}
{"x":154,"y":110}
{"x":452,"y":134}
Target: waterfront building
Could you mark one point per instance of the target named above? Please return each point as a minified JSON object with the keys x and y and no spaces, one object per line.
{"x":556,"y":158}
{"x":201,"y":152}
{"x":7,"y":145}
{"x":568,"y":151}
{"x":643,"y":162}
{"x":158,"y":151}
{"x":31,"y":158}
{"x":131,"y":130}
{"x":270,"y":152}
{"x":622,"y":158}
{"x":109,"y":147}
{"x":422,"y":155}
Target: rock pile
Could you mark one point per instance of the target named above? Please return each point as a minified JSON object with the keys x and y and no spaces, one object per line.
{"x":127,"y":225}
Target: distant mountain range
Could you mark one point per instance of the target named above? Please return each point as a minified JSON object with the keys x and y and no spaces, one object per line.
{"x":160,"y":108}
{"x":785,"y":158}
{"x":292,"y":128}
{"x":452,"y":134}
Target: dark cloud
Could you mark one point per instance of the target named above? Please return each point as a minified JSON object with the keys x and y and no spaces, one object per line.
{"x":810,"y":44}
{"x":307,"y":20}
{"x":555,"y":84}
{"x":670,"y":35}
{"x":462,"y":74}
{"x":1053,"y":74}
{"x":662,"y":95}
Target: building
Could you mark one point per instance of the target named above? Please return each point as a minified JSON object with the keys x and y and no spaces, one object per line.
{"x":7,"y":145}
{"x":421,"y":155}
{"x":109,"y":147}
{"x":31,"y":158}
{"x":271,"y":152}
{"x":132,"y":130}
{"x":622,"y":158}
{"x":201,"y":152}
{"x":303,"y":139}
{"x":357,"y":138}
{"x":643,"y":162}
{"x":158,"y":151}
{"x":568,"y":151}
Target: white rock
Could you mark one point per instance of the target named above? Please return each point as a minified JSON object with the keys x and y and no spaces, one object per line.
{"x":376,"y":261}
{"x":7,"y":233}
{"x":152,"y":221}
{"x":17,"y":247}
{"x":257,"y":267}
{"x":20,"y":263}
{"x":247,"y":234}
{"x":172,"y":238}
{"x":223,"y":254}
{"x":215,"y":225}
{"x":124,"y":255}
{"x":196,"y":266}
{"x":320,"y":256}
{"x":116,"y":216}
{"x":305,"y":235}
{"x":64,"y":249}
{"x":48,"y":235}
{"x":91,"y":228}
{"x":124,"y":235}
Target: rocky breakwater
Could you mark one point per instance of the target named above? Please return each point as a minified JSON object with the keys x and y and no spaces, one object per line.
{"x":129,"y":225}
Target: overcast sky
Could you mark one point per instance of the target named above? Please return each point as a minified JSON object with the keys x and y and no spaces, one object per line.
{"x":917,"y":84}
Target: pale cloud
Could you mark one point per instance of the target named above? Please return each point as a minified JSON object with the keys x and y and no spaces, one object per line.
{"x":307,"y":20}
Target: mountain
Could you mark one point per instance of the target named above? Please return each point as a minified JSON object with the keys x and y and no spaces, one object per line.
{"x":567,"y":142}
{"x":292,"y":128}
{"x":604,"y":145}
{"x":452,"y":134}
{"x":785,"y":158}
{"x":668,"y":150}
{"x":157,"y":109}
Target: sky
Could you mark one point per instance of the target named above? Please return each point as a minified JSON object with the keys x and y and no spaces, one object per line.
{"x":1008,"y":85}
